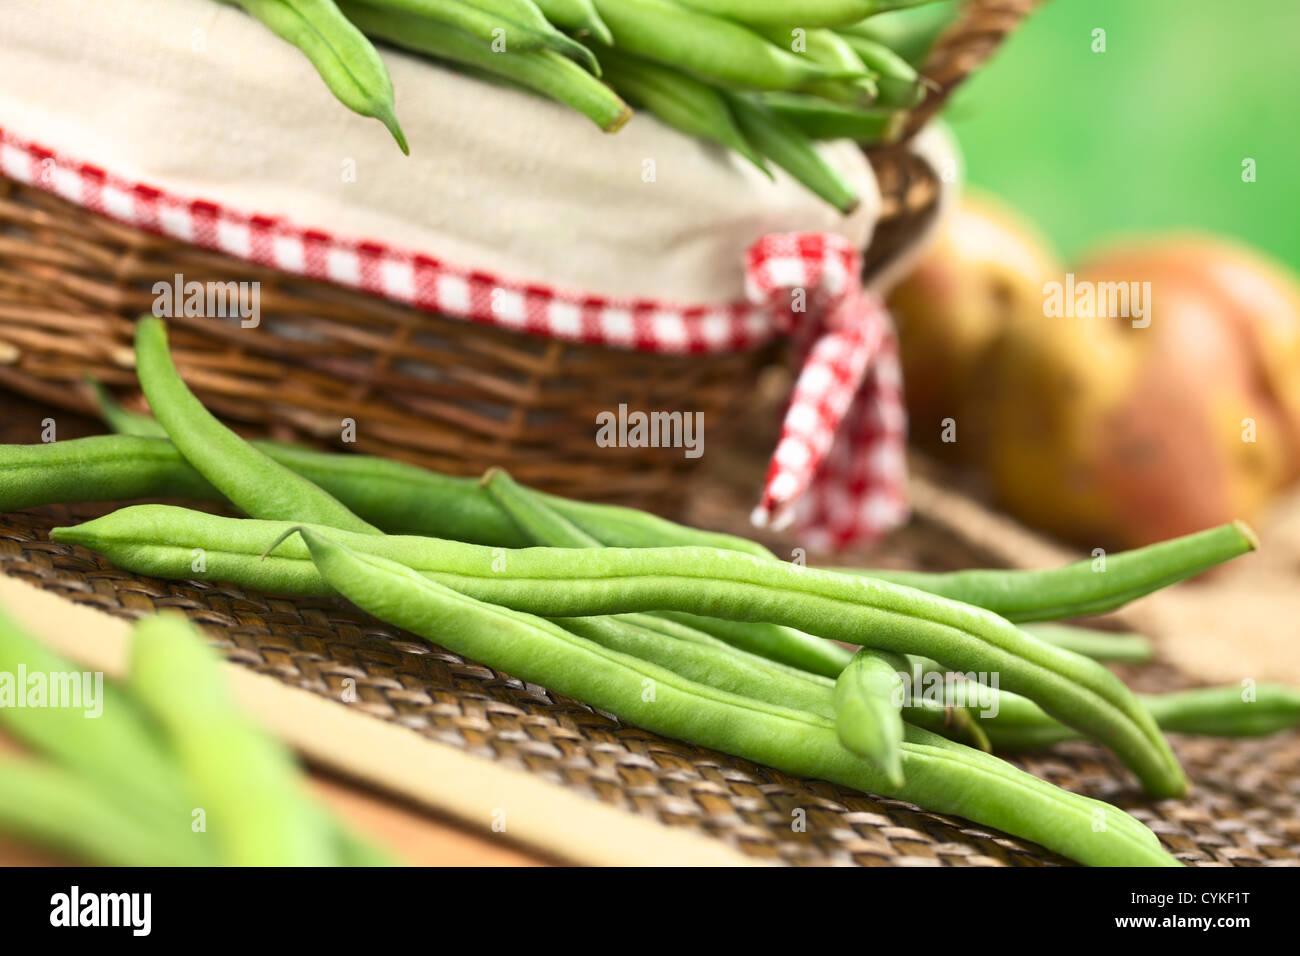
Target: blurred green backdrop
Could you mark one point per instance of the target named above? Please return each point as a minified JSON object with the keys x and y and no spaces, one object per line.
{"x":1151,"y":134}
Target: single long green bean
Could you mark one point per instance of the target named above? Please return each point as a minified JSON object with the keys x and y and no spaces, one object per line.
{"x":255,"y":483}
{"x":868,"y":702}
{"x":783,"y":144}
{"x":343,"y":57}
{"x":121,"y":420}
{"x":55,"y":807}
{"x":575,"y":582}
{"x":821,"y":119}
{"x":709,"y":47}
{"x":939,"y":775}
{"x":246,"y":783}
{"x":1090,"y":586}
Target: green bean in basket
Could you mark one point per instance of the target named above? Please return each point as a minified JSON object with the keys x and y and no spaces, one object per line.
{"x":343,"y":57}
{"x":783,"y":144}
{"x":897,"y":81}
{"x":577,"y":16}
{"x":517,"y":24}
{"x":681,"y":101}
{"x":808,"y":13}
{"x":713,"y":49}
{"x":939,"y":774}
{"x":568,"y":582}
{"x":831,"y":51}
{"x":821,"y":119}
{"x":542,"y":71}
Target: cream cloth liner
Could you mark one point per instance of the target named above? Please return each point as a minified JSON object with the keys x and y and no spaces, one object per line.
{"x":394,"y":758}
{"x":198,"y":99}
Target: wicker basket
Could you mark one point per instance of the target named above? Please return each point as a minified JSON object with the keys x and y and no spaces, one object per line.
{"x":444,"y":393}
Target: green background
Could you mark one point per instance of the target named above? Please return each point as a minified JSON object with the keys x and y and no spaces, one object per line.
{"x":1150,"y":135}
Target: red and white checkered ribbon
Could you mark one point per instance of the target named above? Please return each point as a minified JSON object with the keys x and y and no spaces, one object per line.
{"x":841,"y":451}
{"x":839,"y":468}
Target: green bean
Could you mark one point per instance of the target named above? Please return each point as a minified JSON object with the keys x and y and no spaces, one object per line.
{"x":122,"y":421}
{"x":398,"y":497}
{"x":828,"y":49}
{"x":580,"y":16}
{"x":868,"y":699}
{"x":807,"y":13}
{"x":54,"y":807}
{"x":790,"y":149}
{"x":345,"y":59}
{"x":542,"y":71}
{"x":1015,"y":722}
{"x":910,"y":33}
{"x":543,"y":525}
{"x":896,"y":79}
{"x":119,"y":750}
{"x":956,"y":723}
{"x":941,"y":776}
{"x":784,"y":645}
{"x":254,"y":482}
{"x":681,"y":101}
{"x":393,"y":495}
{"x":573,"y":582}
{"x":1211,"y":711}
{"x":820,"y":119}
{"x":1087,"y":586}
{"x":707,"y":46}
{"x":713,"y":666}
{"x":246,"y":783}
{"x":1099,"y":645}
{"x":518,"y":23}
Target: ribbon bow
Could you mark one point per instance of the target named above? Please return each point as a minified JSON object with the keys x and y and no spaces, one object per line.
{"x":839,"y":469}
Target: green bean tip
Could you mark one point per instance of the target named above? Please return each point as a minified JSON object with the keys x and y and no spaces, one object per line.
{"x":1247,"y":532}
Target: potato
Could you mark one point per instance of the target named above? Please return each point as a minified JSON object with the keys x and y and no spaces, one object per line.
{"x":1106,"y":433}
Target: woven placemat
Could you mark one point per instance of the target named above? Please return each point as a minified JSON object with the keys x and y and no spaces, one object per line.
{"x":1243,"y":810}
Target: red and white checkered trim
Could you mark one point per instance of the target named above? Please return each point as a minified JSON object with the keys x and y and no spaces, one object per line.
{"x":800,"y":284}
{"x":839,"y":468}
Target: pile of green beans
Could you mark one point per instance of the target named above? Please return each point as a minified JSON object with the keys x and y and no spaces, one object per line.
{"x":744,"y":653}
{"x":122,"y":789}
{"x":705,"y":67}
{"x":938,"y":774}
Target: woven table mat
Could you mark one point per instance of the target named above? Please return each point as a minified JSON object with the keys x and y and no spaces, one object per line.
{"x":1242,"y":811}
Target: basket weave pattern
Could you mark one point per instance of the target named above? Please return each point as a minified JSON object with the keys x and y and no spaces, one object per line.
{"x":1243,"y":810}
